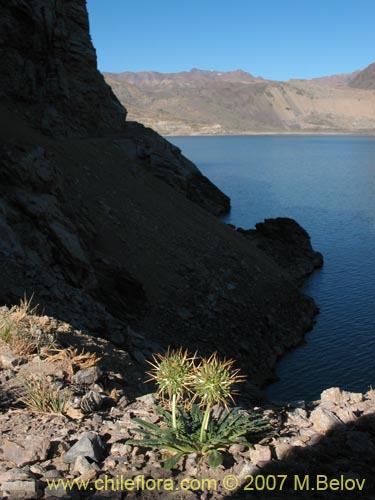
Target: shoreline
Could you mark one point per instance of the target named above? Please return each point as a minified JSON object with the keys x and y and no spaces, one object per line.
{"x":287,"y":134}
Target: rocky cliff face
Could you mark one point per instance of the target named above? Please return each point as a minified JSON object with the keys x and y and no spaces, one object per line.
{"x":143,"y":146}
{"x":101,"y":227}
{"x":48,"y":62}
{"x":49,"y":74}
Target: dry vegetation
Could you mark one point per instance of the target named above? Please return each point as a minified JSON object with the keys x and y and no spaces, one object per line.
{"x":23,"y":330}
{"x":27,"y":334}
{"x":71,"y":359}
{"x":40,"y":395}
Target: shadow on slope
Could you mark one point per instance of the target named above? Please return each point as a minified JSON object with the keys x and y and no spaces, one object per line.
{"x":344,"y":458}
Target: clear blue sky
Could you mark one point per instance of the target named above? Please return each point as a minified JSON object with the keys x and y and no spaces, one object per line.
{"x":276,"y":39}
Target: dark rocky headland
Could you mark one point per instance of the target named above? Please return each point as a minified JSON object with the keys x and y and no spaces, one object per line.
{"x":115,"y":235}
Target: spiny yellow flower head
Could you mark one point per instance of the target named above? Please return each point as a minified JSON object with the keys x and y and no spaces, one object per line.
{"x":213,"y":380}
{"x":172,"y":372}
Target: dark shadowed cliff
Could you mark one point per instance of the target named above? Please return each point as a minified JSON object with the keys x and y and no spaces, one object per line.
{"x":50,"y":77}
{"x":48,"y":63}
{"x":110,"y":227}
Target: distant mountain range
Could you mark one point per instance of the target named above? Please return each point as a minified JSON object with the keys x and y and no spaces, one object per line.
{"x":236,"y":102}
{"x":333,"y":80}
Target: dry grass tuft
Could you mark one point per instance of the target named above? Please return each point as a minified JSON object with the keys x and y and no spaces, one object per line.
{"x":71,"y":360}
{"x":40,"y":395}
{"x":23,"y":330}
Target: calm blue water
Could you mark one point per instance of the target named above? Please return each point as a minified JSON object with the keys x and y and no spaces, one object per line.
{"x":328,"y":185}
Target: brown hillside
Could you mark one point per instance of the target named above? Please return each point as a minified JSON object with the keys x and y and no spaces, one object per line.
{"x":365,"y":79}
{"x":211,"y":103}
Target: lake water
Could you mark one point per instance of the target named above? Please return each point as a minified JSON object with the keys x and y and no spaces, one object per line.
{"x":326,"y":183}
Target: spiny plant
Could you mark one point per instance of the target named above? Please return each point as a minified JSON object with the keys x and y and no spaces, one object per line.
{"x":219,"y":435}
{"x":212,"y":381}
{"x":191,"y":428}
{"x":173,"y":376}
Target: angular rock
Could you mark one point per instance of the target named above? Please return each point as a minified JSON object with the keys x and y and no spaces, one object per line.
{"x":29,"y":165}
{"x":109,"y":463}
{"x":148,"y":400}
{"x":346,"y":415}
{"x":37,"y":469}
{"x":8,"y":361}
{"x":355,"y":397}
{"x":324,"y":420}
{"x":52,"y":474}
{"x":298,"y":418}
{"x":362,"y":406}
{"x":333,"y":395}
{"x":315,"y":439}
{"x":88,"y":375}
{"x":26,"y":489}
{"x":89,"y":445}
{"x":191,"y":466}
{"x":121,"y":449}
{"x":57,"y":492}
{"x":245,"y":470}
{"x":260,"y":454}
{"x":306,"y":434}
{"x":83,"y":466}
{"x":31,"y":450}
{"x":15,"y":474}
{"x":370,"y":394}
{"x":235,"y":449}
{"x":337,"y":396}
{"x":283,"y":450}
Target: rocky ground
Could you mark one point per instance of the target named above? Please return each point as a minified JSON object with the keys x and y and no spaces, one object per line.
{"x":112,"y":232}
{"x":85,"y":439}
{"x":333,"y":438}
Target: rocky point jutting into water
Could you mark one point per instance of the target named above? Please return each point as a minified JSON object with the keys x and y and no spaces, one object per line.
{"x":110,"y":228}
